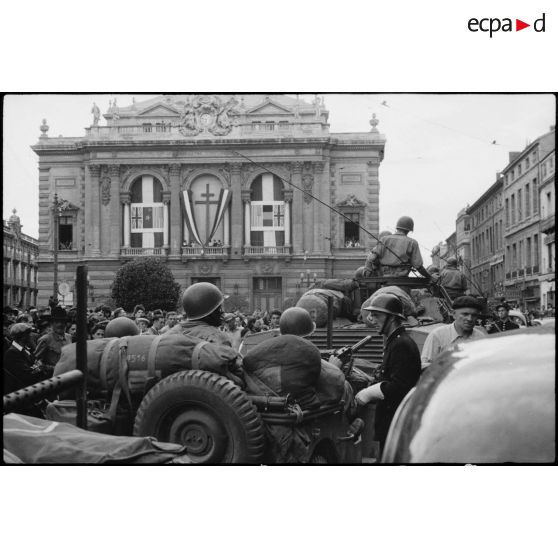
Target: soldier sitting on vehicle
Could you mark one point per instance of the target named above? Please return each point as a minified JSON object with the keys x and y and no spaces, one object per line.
{"x":203,"y":305}
{"x":396,"y":254}
{"x":453,"y":280}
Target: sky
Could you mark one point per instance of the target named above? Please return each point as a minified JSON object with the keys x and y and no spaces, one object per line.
{"x":439,"y":153}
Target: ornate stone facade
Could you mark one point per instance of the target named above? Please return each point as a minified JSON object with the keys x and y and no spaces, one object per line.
{"x":202,"y":156}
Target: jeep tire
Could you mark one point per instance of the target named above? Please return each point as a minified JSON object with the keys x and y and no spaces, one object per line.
{"x":205,"y":412}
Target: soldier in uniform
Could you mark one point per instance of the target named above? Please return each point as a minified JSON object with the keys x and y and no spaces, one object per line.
{"x":401,"y":366}
{"x":453,"y":280}
{"x":504,"y":323}
{"x":203,"y":306}
{"x":396,"y":254}
{"x":49,"y":346}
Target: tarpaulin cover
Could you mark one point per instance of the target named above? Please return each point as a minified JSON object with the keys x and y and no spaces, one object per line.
{"x":146,"y":356}
{"x":288,"y":365}
{"x":38,"y":441}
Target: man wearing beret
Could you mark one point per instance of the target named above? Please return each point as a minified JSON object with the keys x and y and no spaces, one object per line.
{"x":503,"y":323}
{"x":466,"y":311}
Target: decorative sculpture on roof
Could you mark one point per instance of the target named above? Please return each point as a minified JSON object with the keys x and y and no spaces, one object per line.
{"x":96,"y":112}
{"x":208,"y":113}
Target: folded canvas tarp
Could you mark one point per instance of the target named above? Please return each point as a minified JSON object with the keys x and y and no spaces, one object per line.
{"x":38,"y":441}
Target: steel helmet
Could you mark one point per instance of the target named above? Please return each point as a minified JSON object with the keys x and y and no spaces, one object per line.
{"x":201,"y":299}
{"x":359,"y":273}
{"x":121,"y":327}
{"x":296,"y":321}
{"x":451,"y":261}
{"x":405,"y":223}
{"x":388,"y":304}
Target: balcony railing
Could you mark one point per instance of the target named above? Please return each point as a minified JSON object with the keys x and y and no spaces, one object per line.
{"x":199,"y":251}
{"x":140,"y":252}
{"x":267,"y":250}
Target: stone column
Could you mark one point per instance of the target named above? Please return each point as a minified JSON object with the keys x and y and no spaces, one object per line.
{"x":235,"y":209}
{"x":288,"y":197}
{"x":92,"y":227}
{"x":226,"y":227}
{"x":125,"y":201}
{"x":247,"y":224}
{"x":175,"y":214}
{"x":166,"y":201}
{"x":297,"y":209}
{"x":308,"y":182}
{"x":115,"y":217}
{"x":319,"y":216}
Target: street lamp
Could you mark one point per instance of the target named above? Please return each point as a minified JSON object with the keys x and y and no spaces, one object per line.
{"x":56,"y":213}
{"x":307,"y":279}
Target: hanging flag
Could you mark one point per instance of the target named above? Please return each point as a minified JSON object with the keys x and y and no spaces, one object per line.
{"x":267,"y":211}
{"x":147,"y":213}
{"x":186,"y":200}
{"x":224,"y":200}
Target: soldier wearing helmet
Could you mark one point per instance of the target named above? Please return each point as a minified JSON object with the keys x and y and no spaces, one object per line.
{"x":296,"y":321}
{"x":400,"y":365}
{"x":453,"y":280}
{"x":202,"y":304}
{"x":396,"y":254}
{"x":121,"y":327}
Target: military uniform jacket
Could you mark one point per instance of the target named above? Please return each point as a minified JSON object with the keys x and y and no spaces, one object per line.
{"x":503,"y":326}
{"x":401,"y":371}
{"x":49,"y":348}
{"x":396,"y":252}
{"x":453,"y":280}
{"x":200,"y":329}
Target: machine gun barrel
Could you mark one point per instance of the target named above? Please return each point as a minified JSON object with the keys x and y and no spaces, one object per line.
{"x":22,"y":398}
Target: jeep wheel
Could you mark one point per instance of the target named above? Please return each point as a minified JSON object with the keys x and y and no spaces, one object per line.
{"x":205,"y":412}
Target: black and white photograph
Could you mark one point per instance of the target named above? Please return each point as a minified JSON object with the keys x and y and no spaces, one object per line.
{"x":279,"y":278}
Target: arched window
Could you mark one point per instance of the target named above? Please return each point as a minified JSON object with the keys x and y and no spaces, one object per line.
{"x":267,"y":211}
{"x":146,"y":217}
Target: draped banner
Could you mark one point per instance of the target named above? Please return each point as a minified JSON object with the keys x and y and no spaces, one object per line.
{"x":186,"y":199}
{"x":146,"y":216}
{"x":224,"y":200}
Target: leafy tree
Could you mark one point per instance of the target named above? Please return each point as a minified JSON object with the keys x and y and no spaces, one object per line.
{"x":146,"y":281}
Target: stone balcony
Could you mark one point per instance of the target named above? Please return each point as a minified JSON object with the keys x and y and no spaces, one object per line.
{"x":267,"y":251}
{"x":130,"y":253}
{"x":206,"y":252}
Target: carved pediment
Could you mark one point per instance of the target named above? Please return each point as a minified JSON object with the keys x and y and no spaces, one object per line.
{"x":271,"y":108}
{"x":351,"y":201}
{"x":159,"y":110}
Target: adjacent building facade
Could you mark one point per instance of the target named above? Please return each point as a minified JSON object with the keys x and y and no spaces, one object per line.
{"x":225,"y":189}
{"x":547,"y":277}
{"x":522,"y":235}
{"x":20,"y":265}
{"x":487,"y":243}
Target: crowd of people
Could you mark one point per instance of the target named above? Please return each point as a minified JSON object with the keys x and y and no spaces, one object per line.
{"x":33,"y":340}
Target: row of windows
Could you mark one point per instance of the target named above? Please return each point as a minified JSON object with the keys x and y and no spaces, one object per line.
{"x":520,"y":168}
{"x":521,"y":204}
{"x":487,"y":242}
{"x":14,"y":271}
{"x":524,"y":253}
{"x":487,"y":210}
{"x":547,"y":168}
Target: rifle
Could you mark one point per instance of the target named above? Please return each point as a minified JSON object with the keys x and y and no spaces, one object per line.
{"x":344,"y":354}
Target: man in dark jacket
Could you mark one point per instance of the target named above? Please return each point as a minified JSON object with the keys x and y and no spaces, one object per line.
{"x":401,"y":365}
{"x":503,"y":323}
{"x":20,"y":368}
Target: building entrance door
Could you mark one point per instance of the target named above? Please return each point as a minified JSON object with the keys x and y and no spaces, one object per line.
{"x":267,"y":294}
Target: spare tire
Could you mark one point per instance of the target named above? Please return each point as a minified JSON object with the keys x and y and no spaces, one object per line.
{"x":205,"y":412}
